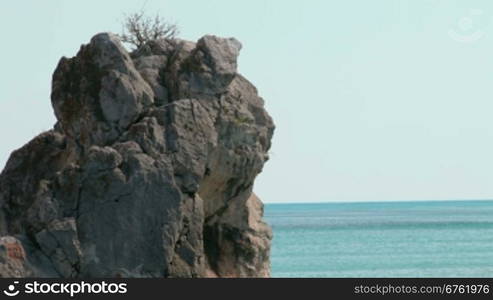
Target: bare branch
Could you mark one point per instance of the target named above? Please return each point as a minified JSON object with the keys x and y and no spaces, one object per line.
{"x":139,"y":29}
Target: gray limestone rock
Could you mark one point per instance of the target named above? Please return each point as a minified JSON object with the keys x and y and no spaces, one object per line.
{"x":148,"y":172}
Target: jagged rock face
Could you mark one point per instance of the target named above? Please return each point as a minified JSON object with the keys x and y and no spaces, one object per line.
{"x":148,"y":171}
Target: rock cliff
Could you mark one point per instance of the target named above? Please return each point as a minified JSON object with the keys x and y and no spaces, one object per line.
{"x":148,"y":171}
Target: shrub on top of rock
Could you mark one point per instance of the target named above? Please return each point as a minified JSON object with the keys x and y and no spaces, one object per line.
{"x":139,"y":29}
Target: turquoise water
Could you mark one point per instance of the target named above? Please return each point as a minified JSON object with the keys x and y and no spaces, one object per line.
{"x":398,"y":239}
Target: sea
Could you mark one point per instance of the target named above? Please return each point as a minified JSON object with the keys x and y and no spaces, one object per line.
{"x":382,"y":239}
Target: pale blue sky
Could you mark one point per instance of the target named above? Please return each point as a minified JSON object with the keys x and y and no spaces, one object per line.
{"x":373,"y":100}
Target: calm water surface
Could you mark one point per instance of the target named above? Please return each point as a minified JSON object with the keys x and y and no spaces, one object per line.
{"x":399,"y":239}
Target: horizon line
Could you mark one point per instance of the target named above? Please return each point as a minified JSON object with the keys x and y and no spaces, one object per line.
{"x":380,"y":201}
